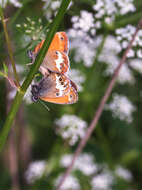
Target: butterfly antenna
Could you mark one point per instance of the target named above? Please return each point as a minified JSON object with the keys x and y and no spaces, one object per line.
{"x":46,"y":107}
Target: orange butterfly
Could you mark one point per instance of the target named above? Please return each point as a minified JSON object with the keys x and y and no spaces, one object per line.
{"x":55,"y":86}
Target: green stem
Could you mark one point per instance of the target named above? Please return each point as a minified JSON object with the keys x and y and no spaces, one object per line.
{"x":127,"y":20}
{"x":96,"y":67}
{"x":9,"y":47}
{"x":19,"y":96}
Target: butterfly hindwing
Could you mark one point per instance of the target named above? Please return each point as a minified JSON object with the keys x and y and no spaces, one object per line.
{"x":55,"y":88}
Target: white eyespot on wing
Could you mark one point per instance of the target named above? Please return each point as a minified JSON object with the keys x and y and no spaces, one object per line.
{"x":59,"y":60}
{"x":59,"y":86}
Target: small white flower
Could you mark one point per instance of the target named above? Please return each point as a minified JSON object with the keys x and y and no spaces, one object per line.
{"x":102,"y":181}
{"x":85,"y":22}
{"x":125,"y":6}
{"x":70,"y":183}
{"x":71,"y":127}
{"x":85,"y":47}
{"x":16,"y":3}
{"x":131,"y":53}
{"x":136,"y":64}
{"x":107,"y":10}
{"x":93,"y":31}
{"x":75,"y":19}
{"x":35,"y":171}
{"x":139,"y":53}
{"x":55,"y":5}
{"x":123,"y":173}
{"x":112,"y":48}
{"x":124,"y":36}
{"x":121,"y":108}
{"x":84,"y":163}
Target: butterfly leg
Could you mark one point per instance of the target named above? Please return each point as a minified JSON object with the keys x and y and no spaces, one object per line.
{"x":32,"y":56}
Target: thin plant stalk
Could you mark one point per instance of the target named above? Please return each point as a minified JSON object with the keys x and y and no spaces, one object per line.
{"x":99,"y":110}
{"x":21,"y":91}
{"x":9,"y":47}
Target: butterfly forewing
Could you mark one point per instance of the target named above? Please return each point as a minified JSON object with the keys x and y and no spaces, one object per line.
{"x":55,"y":61}
{"x":60,"y":42}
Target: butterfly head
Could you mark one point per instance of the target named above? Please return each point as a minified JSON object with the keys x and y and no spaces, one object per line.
{"x":35,"y":92}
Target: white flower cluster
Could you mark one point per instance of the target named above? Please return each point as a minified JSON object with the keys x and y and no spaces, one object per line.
{"x":112,"y":48}
{"x":85,"y":50}
{"x":102,"y":178}
{"x":83,"y":23}
{"x":50,"y":8}
{"x":124,"y":35}
{"x":35,"y":171}
{"x":123,"y":173}
{"x":32,"y":29}
{"x":105,"y":179}
{"x":77,"y":77}
{"x":125,"y":6}
{"x":102,"y":181}
{"x":84,"y":163}
{"x":136,"y":64}
{"x":121,"y":107}
{"x":108,"y":9}
{"x":15,"y":3}
{"x":71,"y":127}
{"x":70,"y":183}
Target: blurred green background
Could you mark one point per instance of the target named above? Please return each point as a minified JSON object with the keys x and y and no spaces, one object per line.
{"x":41,"y":142}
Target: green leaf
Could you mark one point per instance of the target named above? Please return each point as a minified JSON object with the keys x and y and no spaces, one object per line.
{"x":5,"y":68}
{"x":2,"y":74}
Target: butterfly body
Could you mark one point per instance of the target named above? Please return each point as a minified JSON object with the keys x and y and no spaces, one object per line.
{"x":55,"y":86}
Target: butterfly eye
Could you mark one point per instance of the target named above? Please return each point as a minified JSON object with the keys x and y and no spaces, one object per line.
{"x":57,"y":94}
{"x":34,"y":98}
{"x":70,"y":96}
{"x":62,"y":38}
{"x":56,"y":53}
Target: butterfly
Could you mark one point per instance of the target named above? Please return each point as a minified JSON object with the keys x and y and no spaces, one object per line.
{"x":56,"y":59}
{"x":55,"y":86}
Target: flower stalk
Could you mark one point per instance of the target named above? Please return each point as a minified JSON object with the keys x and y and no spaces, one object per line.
{"x":9,"y":47}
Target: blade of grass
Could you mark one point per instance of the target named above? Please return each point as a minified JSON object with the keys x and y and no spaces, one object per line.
{"x":9,"y":47}
{"x":20,"y":93}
